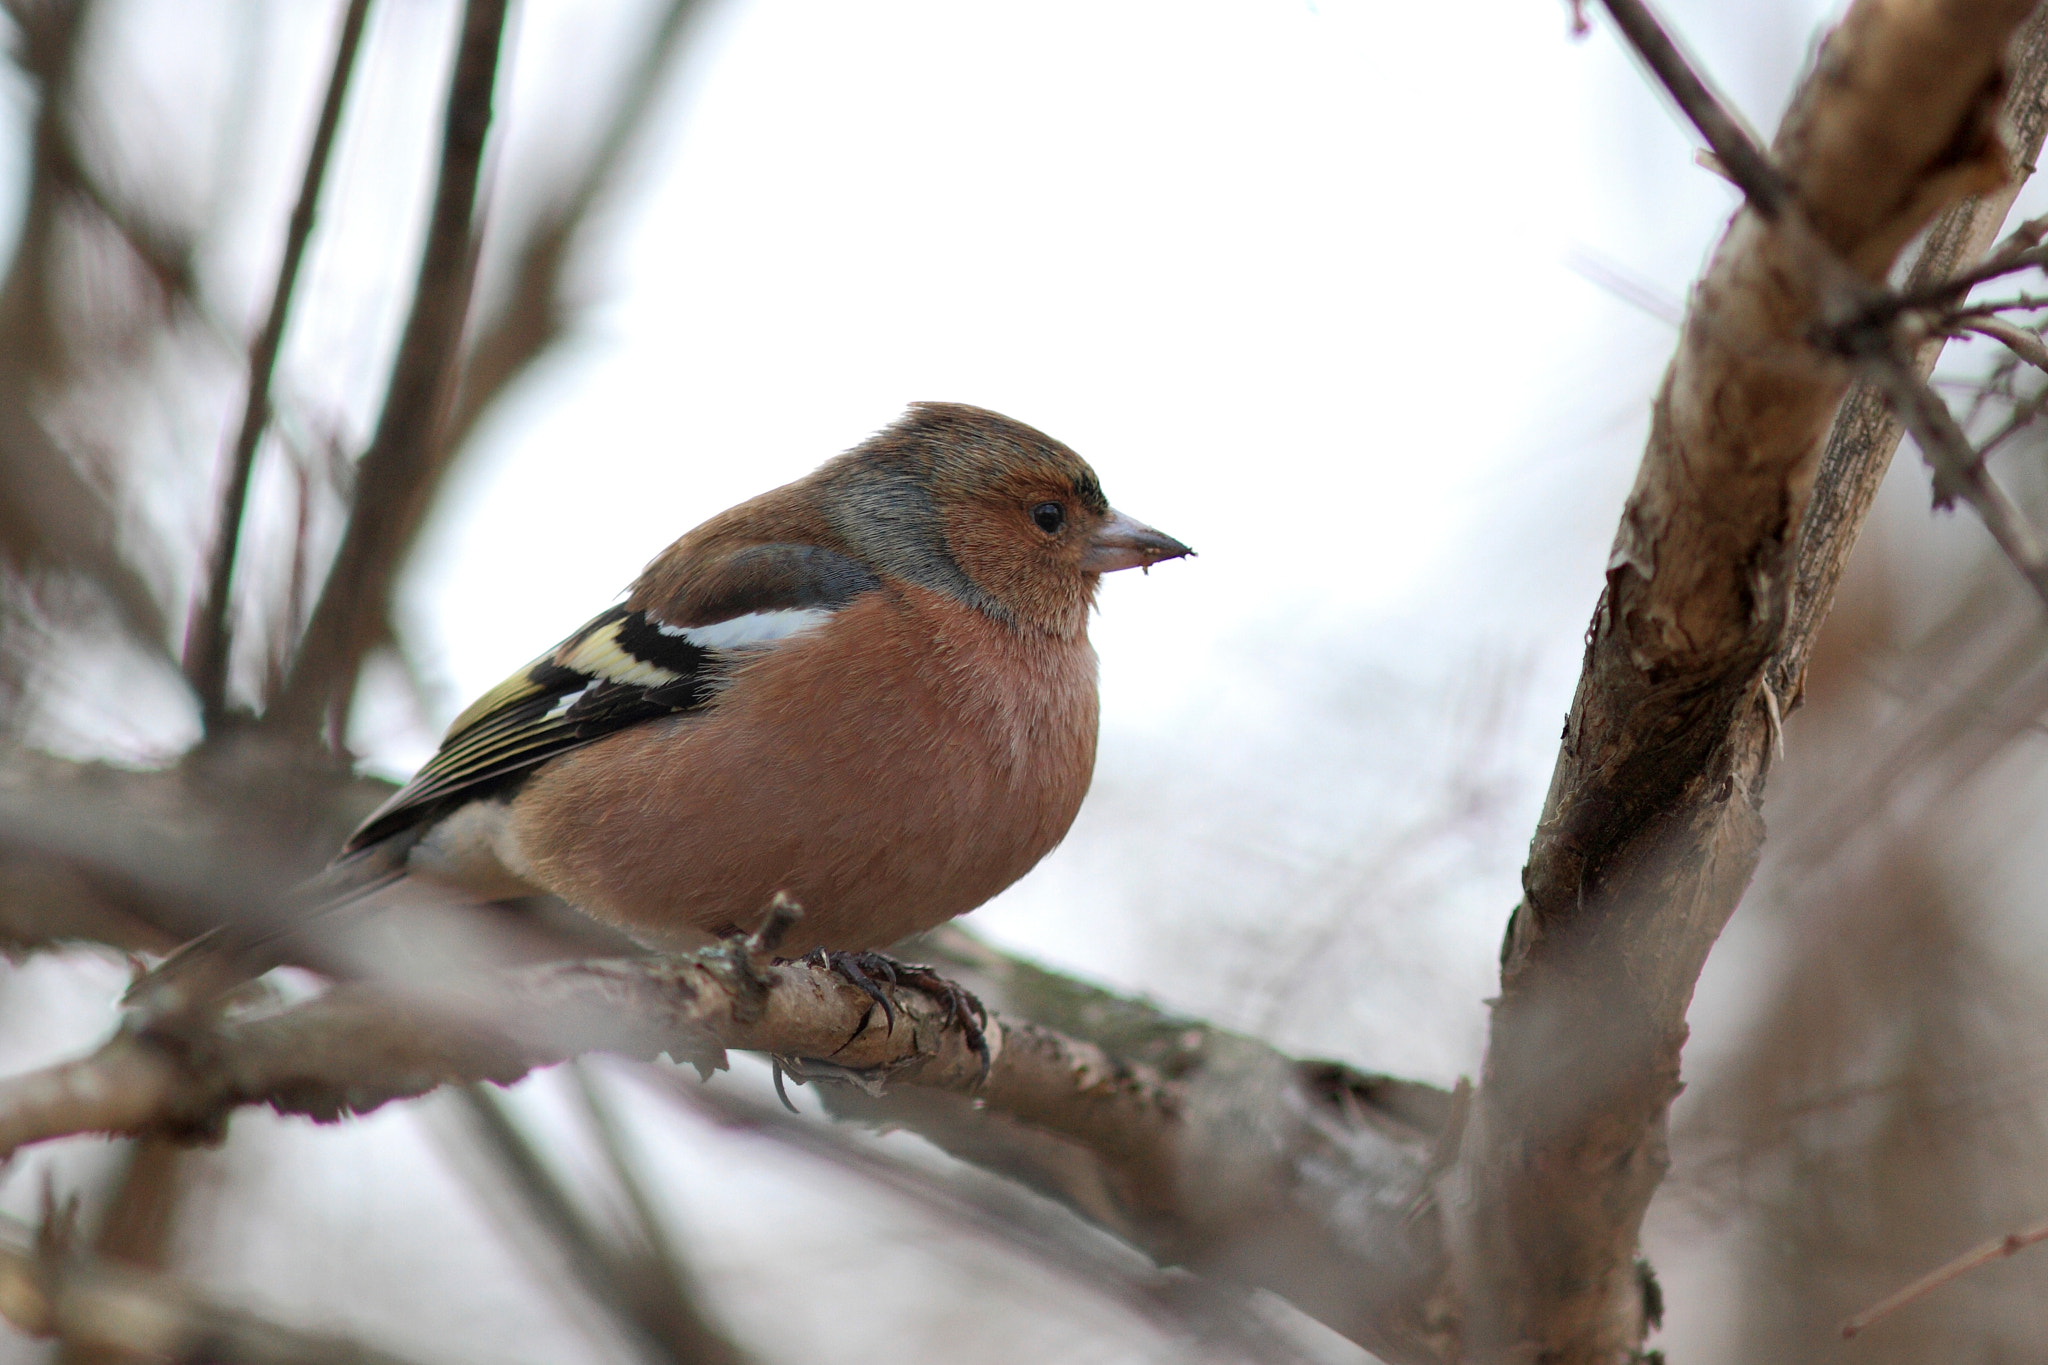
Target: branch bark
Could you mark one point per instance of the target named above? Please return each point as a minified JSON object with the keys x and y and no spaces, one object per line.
{"x":1203,"y":1147}
{"x":1652,"y":829}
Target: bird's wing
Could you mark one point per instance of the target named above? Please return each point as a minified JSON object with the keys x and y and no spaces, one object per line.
{"x":627,"y":666}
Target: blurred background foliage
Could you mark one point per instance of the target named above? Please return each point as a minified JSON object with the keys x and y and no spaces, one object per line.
{"x":1366,"y":304}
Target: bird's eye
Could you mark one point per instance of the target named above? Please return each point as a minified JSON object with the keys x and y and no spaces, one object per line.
{"x":1050,"y":516}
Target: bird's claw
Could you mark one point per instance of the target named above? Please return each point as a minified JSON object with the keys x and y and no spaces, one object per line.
{"x":862,"y":971}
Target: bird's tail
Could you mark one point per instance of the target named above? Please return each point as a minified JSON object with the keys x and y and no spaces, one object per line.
{"x":229,"y":954}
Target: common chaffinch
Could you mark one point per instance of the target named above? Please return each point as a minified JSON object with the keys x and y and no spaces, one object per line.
{"x":871,"y":689}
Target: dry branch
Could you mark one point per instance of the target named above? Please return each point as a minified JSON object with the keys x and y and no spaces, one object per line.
{"x":1865,"y":433}
{"x":1651,"y":829}
{"x":503,"y":343}
{"x":1997,"y":1249}
{"x":1202,"y":1147}
{"x":647,"y":1300}
{"x":392,"y":489}
{"x":206,"y":651}
{"x":52,"y":517}
{"x":361,"y":1045}
{"x":537,"y":309}
{"x":88,"y":1302}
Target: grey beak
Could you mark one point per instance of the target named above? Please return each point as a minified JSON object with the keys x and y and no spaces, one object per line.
{"x":1121,"y":543}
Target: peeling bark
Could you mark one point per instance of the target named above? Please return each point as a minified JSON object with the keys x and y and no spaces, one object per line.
{"x":1652,"y":827}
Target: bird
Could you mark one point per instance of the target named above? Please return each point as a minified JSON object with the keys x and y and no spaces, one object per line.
{"x":870,"y":691}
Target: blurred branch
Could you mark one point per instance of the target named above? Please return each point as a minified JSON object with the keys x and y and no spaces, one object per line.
{"x":1958,"y":468}
{"x":647,"y":1303}
{"x":392,"y":487}
{"x":2027,"y":345}
{"x":1866,"y":431}
{"x":1998,"y":1248}
{"x":671,"y":1289}
{"x":1216,"y":1318}
{"x":206,"y":650}
{"x":48,"y":1291}
{"x":504,"y":345}
{"x":138,"y":1224}
{"x":52,"y":517}
{"x":143,"y":861}
{"x":535,"y":311}
{"x":1650,"y":831}
{"x":1736,"y":155}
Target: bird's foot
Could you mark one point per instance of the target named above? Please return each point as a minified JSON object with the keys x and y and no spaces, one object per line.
{"x":866,"y":971}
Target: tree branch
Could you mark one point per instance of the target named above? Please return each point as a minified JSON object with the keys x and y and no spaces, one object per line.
{"x":206,"y":649}
{"x":362,"y":1045}
{"x":1736,"y":154}
{"x":1866,"y":433}
{"x":648,"y":1305}
{"x":391,"y":488}
{"x":1650,"y":831}
{"x":1998,"y":1248}
{"x":1203,"y":1147}
{"x":536,"y":310}
{"x":97,"y":1303}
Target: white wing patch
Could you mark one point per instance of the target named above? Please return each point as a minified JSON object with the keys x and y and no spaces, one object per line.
{"x":754,"y":628}
{"x":599,"y":656}
{"x":561,"y":708}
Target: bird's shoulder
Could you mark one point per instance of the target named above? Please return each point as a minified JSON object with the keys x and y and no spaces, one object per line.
{"x":718,"y":596}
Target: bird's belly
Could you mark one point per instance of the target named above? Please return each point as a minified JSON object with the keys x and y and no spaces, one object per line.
{"x":884,"y":805}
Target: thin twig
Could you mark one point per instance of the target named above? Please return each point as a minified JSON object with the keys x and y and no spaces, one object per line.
{"x":1996,"y":1249}
{"x":2021,"y":342}
{"x":2018,"y":302}
{"x":391,"y":490}
{"x":1741,"y":160}
{"x":1958,"y":470}
{"x":2021,"y":250}
{"x":206,"y":647}
{"x":2023,"y":415}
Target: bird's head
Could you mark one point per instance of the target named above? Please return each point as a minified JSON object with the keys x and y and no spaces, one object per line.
{"x":1021,"y":516}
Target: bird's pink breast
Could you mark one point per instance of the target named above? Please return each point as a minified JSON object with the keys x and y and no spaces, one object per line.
{"x":894,"y":768}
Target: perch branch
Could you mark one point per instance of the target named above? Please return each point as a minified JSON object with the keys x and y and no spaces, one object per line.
{"x":1202,"y":1147}
{"x":361,"y":1045}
